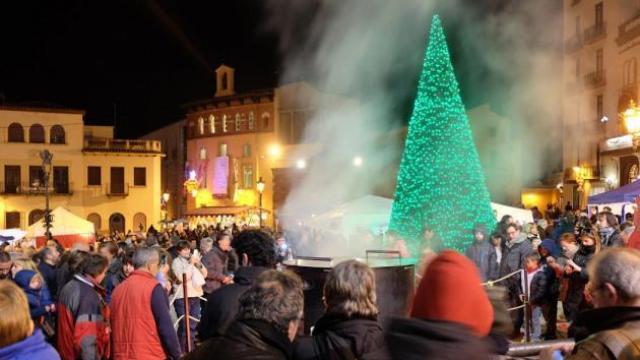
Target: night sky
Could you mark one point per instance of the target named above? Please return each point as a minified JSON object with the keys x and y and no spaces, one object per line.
{"x":139,"y":61}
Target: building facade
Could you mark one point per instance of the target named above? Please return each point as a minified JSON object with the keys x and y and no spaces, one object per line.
{"x":236,"y":140}
{"x":601,"y":50}
{"x":113,"y":183}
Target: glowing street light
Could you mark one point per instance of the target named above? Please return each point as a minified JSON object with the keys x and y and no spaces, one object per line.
{"x":357,"y":161}
{"x":166,"y":197}
{"x":275,"y":150}
{"x":301,"y":164}
{"x":631,"y":118}
{"x":260,"y":186}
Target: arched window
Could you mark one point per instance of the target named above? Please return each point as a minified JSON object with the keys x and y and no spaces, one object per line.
{"x":96,"y":220}
{"x":139,"y":221}
{"x":35,"y":215}
{"x":57,"y":135}
{"x":36,"y":134}
{"x":212,"y":124}
{"x":238,"y":121}
{"x":116,"y":223}
{"x":16,"y":133}
{"x":265,"y":120}
{"x":201,"y":125}
{"x":252,"y":121}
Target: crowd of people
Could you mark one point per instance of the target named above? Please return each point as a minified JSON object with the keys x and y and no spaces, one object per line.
{"x":125,"y":297}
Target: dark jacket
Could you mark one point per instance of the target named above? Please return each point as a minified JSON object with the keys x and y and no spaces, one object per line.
{"x":222,"y":305}
{"x":494,"y":264}
{"x":49,"y":275}
{"x":215,"y":261}
{"x":611,"y":238}
{"x":409,"y":339}
{"x":115,"y":275}
{"x":479,"y":253}
{"x":38,"y":298}
{"x":340,"y":338}
{"x":539,"y":290}
{"x":611,"y":333}
{"x":513,"y":259}
{"x":575,"y":301}
{"x":246,"y":339}
{"x":32,"y":348}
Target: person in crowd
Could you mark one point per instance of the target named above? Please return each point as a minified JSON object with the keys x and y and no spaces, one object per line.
{"x":114,"y":279}
{"x":450,"y":317}
{"x":69,"y":260}
{"x":505,"y":221}
{"x":206,"y":245}
{"x":480,"y":251}
{"x":430,"y":240}
{"x":613,"y":327}
{"x":255,"y":250}
{"x":549,"y":253}
{"x":625,"y":233}
{"x":189,"y":265}
{"x":6,"y":263}
{"x":628,"y":219}
{"x":397,"y":243}
{"x":19,"y":338}
{"x":109,"y":250}
{"x":576,"y":271}
{"x":608,"y":232}
{"x":49,"y":257}
{"x":269,"y":314}
{"x":283,"y":250}
{"x":533,"y":235}
{"x":495,"y":256}
{"x":142,"y":302}
{"x":216,"y":261}
{"x":516,"y":250}
{"x":349,"y":329}
{"x":83,"y":325}
{"x":165,"y":275}
{"x":538,"y":292}
{"x":33,"y":285}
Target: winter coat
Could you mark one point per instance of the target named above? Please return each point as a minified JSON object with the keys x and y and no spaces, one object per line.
{"x":33,"y":347}
{"x":49,"y":275}
{"x":83,"y":326}
{"x":38,"y":298}
{"x":612,"y":333}
{"x":216,"y":262}
{"x":479,"y":253}
{"x":575,"y":301}
{"x":246,"y":339}
{"x":611,"y":238}
{"x":222,"y":305}
{"x":539,"y":288}
{"x":341,"y":338}
{"x":494,"y":264}
{"x":409,"y":339}
{"x":513,"y":259}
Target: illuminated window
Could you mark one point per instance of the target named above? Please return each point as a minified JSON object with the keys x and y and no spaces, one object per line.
{"x":223,"y":149}
{"x":252,"y":121}
{"x":201,"y":125}
{"x":224,"y":123}
{"x":265,"y":120}
{"x":237,"y":121}
{"x":246,"y":150}
{"x":247,"y":177}
{"x":212,"y":124}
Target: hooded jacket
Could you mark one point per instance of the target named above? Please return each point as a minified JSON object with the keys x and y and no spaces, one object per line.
{"x":342,"y":338}
{"x":31,"y":348}
{"x":450,"y":315}
{"x":513,"y":259}
{"x":479,"y":253}
{"x":38,"y":298}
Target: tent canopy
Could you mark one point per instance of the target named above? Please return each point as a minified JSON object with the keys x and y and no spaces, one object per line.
{"x":626,"y":193}
{"x":64,"y":223}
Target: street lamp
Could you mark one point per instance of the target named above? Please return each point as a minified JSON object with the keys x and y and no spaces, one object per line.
{"x":46,"y":158}
{"x":165,"y":206}
{"x":260,"y":187}
{"x":631,"y":118}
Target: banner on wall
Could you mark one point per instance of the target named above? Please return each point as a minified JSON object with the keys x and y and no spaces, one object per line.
{"x":221,"y":176}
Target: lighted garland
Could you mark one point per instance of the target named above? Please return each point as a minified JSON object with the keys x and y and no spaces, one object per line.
{"x":440,"y":180}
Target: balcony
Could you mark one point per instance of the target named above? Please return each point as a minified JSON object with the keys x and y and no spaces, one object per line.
{"x":573,"y":44}
{"x":117,"y":190}
{"x":595,"y":79}
{"x":121,"y":145}
{"x":595,"y":33}
{"x":629,"y":30}
{"x":24,"y":188}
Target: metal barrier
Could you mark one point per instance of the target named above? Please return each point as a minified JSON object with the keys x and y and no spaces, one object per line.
{"x":532,"y":349}
{"x":525,"y":300}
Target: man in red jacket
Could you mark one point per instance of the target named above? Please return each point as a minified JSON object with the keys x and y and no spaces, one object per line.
{"x":140,"y":317}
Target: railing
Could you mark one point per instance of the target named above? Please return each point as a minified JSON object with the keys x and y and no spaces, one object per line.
{"x":25,"y":188}
{"x":595,"y":79}
{"x":629,"y":30}
{"x":595,"y":32}
{"x":121,"y":145}
{"x":117,"y":189}
{"x":573,"y":44}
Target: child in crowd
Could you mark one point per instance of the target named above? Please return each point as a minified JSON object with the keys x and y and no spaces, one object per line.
{"x":40,"y":302}
{"x":537,"y":285}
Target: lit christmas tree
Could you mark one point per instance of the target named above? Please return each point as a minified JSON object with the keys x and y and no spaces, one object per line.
{"x":440,"y":180}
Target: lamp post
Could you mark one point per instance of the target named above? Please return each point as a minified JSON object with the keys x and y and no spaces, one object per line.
{"x":631,"y":118}
{"x":165,"y":206}
{"x":46,"y":158}
{"x":260,"y":187}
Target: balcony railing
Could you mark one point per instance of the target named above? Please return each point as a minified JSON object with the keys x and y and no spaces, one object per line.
{"x":25,"y":188}
{"x":629,"y":30}
{"x":117,"y":189}
{"x":573,"y":44}
{"x":595,"y":79}
{"x":121,"y":145}
{"x":595,"y":33}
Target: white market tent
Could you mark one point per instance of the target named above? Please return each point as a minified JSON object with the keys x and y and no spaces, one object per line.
{"x":522,"y":216}
{"x":67,"y":227}
{"x":11,"y":235}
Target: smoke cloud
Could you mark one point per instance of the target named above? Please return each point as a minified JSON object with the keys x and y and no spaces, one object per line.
{"x":368,"y":54}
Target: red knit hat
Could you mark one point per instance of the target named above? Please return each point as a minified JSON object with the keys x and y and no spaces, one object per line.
{"x":450,"y":290}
